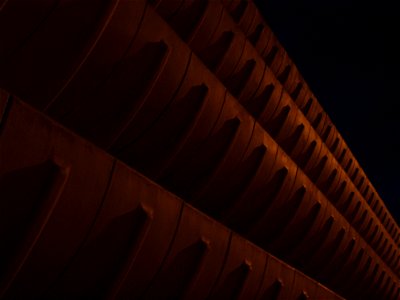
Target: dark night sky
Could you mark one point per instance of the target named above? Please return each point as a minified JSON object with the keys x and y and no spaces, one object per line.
{"x":348,"y":53}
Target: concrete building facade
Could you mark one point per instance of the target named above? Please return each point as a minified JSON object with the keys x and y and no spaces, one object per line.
{"x":170,"y":149}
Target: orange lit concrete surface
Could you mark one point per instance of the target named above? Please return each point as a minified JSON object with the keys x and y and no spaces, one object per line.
{"x":199,"y":97}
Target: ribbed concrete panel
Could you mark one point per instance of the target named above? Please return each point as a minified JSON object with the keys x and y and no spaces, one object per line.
{"x":140,"y":241}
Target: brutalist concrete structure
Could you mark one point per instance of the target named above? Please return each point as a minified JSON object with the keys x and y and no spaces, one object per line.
{"x":170,"y":149}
